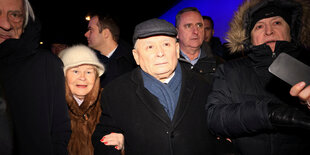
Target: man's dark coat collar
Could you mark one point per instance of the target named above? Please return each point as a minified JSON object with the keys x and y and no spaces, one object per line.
{"x":152,"y":103}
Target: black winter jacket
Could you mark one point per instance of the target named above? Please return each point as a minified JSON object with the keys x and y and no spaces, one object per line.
{"x":237,"y":106}
{"x":205,"y":66}
{"x":34,"y":89}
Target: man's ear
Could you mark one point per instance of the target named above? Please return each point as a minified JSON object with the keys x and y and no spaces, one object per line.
{"x":177,"y":46}
{"x":106,"y":33}
{"x":177,"y":33}
{"x":135,"y":56}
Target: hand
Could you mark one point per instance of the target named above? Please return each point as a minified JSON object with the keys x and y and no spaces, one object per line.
{"x":299,"y":90}
{"x":114,"y":139}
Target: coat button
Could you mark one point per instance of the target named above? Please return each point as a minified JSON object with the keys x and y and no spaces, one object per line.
{"x":172,"y":134}
{"x":85,"y":116}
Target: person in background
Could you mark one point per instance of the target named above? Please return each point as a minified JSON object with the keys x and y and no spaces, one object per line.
{"x":103,"y":36}
{"x":250,"y":105}
{"x":32,"y":82}
{"x":159,"y":106}
{"x":194,"y":53}
{"x":208,"y":28}
{"x":214,"y":42}
{"x":58,"y":41}
{"x":56,"y":48}
{"x":82,"y":73}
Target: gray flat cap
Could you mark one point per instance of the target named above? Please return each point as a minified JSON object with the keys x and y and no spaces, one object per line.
{"x":153,"y":27}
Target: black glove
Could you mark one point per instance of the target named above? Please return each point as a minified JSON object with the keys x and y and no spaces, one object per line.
{"x":282,"y":115}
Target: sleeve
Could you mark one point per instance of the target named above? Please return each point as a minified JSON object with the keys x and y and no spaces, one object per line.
{"x":61,"y":129}
{"x":105,"y":126}
{"x":230,"y":119}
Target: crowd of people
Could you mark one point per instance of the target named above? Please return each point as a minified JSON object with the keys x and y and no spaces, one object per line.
{"x":177,"y":91}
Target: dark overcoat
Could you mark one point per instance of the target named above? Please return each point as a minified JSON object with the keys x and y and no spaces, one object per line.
{"x":129,"y":108}
{"x":33,"y":87}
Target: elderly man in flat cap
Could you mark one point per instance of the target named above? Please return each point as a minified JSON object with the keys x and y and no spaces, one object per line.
{"x":158,"y":107}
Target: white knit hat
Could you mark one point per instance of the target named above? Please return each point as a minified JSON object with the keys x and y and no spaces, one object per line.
{"x":79,"y":55}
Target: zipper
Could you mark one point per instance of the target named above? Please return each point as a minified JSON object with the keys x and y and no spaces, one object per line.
{"x":274,"y":55}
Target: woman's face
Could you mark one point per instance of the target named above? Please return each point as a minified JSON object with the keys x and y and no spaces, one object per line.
{"x":81,"y":80}
{"x":269,"y":30}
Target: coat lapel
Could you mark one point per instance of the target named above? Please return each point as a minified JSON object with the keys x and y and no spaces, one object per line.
{"x":185,"y":98}
{"x":149,"y":100}
{"x":152,"y":103}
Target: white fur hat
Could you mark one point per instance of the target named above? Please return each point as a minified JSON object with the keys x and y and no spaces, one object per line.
{"x":78,"y":55}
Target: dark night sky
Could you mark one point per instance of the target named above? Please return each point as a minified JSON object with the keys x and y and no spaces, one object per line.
{"x":65,"y":19}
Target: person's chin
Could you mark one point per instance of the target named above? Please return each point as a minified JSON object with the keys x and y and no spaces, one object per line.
{"x":164,"y":73}
{"x":81,"y":93}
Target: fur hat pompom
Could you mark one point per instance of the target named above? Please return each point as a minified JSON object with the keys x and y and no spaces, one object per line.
{"x":79,"y":55}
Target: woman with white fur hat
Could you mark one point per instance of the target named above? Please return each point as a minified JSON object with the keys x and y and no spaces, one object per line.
{"x":82,"y":70}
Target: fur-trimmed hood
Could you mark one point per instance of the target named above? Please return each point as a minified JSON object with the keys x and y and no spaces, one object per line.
{"x":238,"y":36}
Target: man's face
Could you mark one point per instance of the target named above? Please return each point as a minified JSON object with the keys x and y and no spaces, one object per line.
{"x":94,"y":37}
{"x":208,"y":30}
{"x":190,"y":30}
{"x":269,"y":30}
{"x":56,"y":48}
{"x":11,"y":19}
{"x":157,"y":56}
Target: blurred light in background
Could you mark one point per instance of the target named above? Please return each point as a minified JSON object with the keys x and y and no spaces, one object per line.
{"x":87,"y":18}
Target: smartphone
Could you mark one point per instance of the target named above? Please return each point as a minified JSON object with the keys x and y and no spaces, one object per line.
{"x":290,"y":69}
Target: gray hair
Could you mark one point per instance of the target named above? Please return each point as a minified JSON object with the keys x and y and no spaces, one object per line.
{"x":28,"y":12}
{"x":188,"y":9}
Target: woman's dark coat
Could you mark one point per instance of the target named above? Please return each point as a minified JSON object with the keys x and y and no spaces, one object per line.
{"x":243,"y":89}
{"x":238,"y":104}
{"x":129,"y":108}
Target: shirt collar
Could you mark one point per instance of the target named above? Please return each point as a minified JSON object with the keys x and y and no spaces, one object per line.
{"x":111,"y":53}
{"x":169,"y":79}
{"x":78,"y":101}
{"x":193,"y":62}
